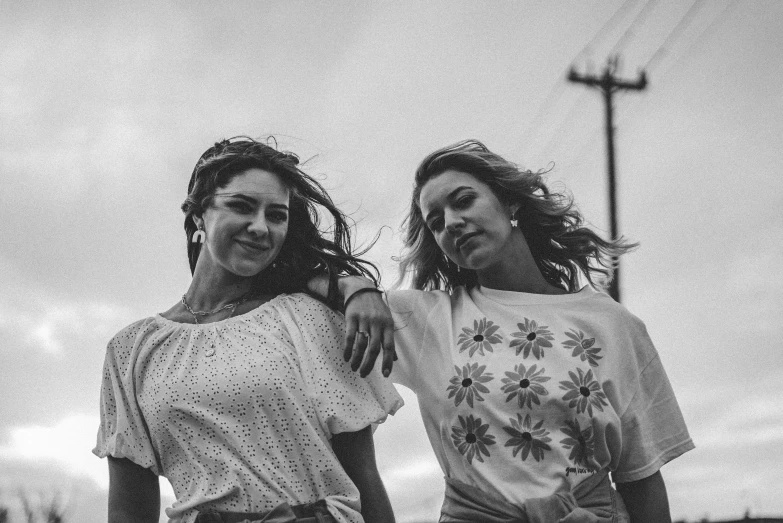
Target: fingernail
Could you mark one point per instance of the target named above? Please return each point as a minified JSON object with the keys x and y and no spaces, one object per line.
{"x":386,"y":373}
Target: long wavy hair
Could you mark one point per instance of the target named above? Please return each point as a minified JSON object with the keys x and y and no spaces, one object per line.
{"x":562,"y":247}
{"x":308,"y":250}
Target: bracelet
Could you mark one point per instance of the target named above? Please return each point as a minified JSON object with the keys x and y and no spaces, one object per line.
{"x":360,"y":291}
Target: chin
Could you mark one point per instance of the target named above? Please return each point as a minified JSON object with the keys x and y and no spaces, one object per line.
{"x":249,"y":270}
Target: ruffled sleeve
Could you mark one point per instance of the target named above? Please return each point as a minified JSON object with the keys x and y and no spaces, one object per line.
{"x":343,"y":400}
{"x":123,"y":432}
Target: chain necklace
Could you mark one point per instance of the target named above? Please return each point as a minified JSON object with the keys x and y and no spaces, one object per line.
{"x":231,"y":305}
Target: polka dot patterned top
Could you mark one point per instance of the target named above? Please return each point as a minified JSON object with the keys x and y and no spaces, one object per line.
{"x":238,"y":414}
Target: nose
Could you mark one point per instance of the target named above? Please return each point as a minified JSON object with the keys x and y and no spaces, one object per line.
{"x":453,"y":221}
{"x":258,"y":225}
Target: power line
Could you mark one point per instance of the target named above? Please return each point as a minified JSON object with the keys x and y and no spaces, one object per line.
{"x":559,"y":87}
{"x":713,"y":25}
{"x":629,"y":33}
{"x":675,"y":33}
{"x":599,"y":34}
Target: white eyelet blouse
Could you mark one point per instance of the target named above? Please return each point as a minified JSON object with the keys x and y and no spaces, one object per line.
{"x":238,"y":414}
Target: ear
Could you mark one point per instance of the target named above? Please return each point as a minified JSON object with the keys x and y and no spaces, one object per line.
{"x":199,"y":221}
{"x":512,"y":209}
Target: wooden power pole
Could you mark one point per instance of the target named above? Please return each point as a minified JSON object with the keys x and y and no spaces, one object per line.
{"x":608,"y":85}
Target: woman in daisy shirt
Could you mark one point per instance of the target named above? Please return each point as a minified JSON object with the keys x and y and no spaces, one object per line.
{"x":533,"y":388}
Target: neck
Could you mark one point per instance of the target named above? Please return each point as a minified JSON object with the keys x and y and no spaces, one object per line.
{"x":517,"y":271}
{"x":210,"y":288}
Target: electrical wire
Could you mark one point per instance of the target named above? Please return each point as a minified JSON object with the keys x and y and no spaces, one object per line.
{"x":599,"y":34}
{"x":559,"y":87}
{"x":629,"y":32}
{"x":675,"y":33}
{"x":665,"y":77}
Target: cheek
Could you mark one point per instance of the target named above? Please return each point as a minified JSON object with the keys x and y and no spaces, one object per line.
{"x":440,"y":242}
{"x":280,"y":232}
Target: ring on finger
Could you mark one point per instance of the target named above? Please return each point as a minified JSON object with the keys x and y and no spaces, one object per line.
{"x":363,"y":333}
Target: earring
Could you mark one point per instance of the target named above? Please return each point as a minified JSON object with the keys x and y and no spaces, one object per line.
{"x":199,"y":236}
{"x":514,"y":221}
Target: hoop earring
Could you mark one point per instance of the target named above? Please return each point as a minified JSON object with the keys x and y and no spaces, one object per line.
{"x":199,"y":236}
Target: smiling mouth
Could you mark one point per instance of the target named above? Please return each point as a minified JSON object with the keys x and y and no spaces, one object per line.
{"x":255,"y":247}
{"x":464,"y":238}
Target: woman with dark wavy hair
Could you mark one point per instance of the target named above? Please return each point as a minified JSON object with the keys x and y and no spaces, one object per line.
{"x":533,"y":387}
{"x":238,"y":394}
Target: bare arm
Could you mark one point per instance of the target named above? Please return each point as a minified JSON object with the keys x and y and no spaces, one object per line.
{"x":134,"y":493}
{"x":356,"y":453}
{"x":365,"y":313}
{"x":646,"y":499}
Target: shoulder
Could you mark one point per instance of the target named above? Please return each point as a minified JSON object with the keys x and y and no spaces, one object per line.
{"x":128,"y":340}
{"x":414,"y":300}
{"x":302,"y":301}
{"x":130,"y":334}
{"x":601,"y":304}
{"x":619,"y":324}
{"x":305,"y":309}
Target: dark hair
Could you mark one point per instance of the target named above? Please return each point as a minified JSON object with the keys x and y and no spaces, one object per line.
{"x":562,"y":248}
{"x":307,"y":250}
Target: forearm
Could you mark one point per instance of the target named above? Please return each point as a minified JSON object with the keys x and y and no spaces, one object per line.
{"x":134,"y":493}
{"x":346,"y":285}
{"x":356,"y":453}
{"x":646,"y":499}
{"x":376,"y":506}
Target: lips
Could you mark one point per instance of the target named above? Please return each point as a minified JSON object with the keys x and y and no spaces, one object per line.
{"x":253,"y":246}
{"x":464,"y":238}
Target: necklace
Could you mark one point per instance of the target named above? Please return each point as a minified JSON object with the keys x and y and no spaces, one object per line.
{"x":230,"y":305}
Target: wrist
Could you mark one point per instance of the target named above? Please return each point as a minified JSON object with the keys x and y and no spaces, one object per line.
{"x":348,"y":285}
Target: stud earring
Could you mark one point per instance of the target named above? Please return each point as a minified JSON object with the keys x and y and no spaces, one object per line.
{"x":199,"y":236}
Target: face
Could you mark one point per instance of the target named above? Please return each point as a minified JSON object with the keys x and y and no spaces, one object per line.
{"x":246,"y":224}
{"x":469,"y":223}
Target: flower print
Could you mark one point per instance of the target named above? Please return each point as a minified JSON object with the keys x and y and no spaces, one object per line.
{"x":584,"y":392}
{"x":528,"y":438}
{"x":532,"y":337}
{"x":479,"y":338}
{"x":468,"y":383}
{"x":525,"y":385}
{"x":579,"y":441}
{"x":582,"y":347}
{"x":471,"y":438}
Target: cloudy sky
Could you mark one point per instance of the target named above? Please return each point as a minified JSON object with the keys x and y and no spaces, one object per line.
{"x":105,"y":107}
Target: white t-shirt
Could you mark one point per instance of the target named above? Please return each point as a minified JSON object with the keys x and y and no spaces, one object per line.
{"x":522,"y":394}
{"x":238,"y":414}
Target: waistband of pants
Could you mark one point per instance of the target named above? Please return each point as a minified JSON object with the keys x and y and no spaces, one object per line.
{"x":316,"y":512}
{"x":465,"y":503}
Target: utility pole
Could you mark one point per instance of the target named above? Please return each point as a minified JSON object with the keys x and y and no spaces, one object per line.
{"x":608,"y":85}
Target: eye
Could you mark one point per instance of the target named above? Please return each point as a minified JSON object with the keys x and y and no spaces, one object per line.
{"x":278,"y":217}
{"x":240,"y":206}
{"x":435,"y":225}
{"x":464,"y":201}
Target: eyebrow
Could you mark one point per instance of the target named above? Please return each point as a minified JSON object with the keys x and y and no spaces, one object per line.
{"x":449,"y":197}
{"x":250,"y":199}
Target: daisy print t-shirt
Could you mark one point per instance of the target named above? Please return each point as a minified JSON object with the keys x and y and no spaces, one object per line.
{"x":524,"y":394}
